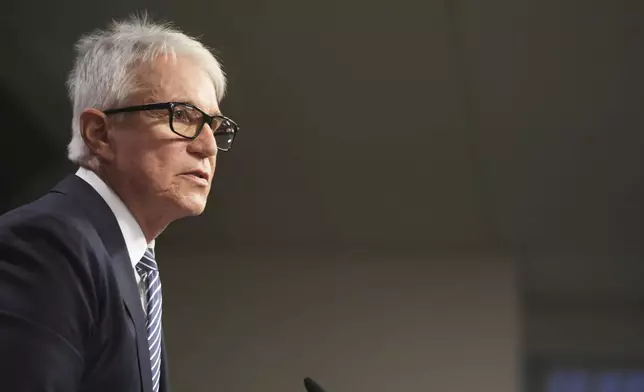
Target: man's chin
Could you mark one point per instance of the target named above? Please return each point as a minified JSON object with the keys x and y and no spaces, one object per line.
{"x":186,"y":206}
{"x":194,"y":206}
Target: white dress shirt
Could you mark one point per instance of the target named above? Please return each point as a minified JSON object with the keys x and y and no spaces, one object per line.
{"x":132,"y":233}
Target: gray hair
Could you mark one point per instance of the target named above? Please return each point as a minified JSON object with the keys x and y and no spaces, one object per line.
{"x":104,"y":74}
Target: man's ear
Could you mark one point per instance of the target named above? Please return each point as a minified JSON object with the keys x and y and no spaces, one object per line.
{"x":93,"y":128}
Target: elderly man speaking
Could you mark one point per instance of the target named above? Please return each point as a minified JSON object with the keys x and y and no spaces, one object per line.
{"x":80,"y":291}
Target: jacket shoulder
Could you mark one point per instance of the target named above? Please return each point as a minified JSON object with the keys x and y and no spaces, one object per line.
{"x":53,"y":214}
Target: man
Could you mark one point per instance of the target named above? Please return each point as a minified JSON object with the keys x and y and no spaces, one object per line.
{"x":80,"y":294}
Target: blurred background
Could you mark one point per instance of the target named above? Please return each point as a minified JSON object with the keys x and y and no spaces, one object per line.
{"x":429,"y":196}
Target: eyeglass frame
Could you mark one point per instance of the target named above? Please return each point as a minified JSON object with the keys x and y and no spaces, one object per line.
{"x":206,"y":118}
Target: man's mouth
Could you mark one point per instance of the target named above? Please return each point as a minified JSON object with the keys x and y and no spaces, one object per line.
{"x":198,"y":174}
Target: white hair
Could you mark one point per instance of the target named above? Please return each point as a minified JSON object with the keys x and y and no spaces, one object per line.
{"x":104,"y":74}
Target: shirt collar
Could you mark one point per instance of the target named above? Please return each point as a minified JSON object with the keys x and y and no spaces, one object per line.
{"x":132,"y":233}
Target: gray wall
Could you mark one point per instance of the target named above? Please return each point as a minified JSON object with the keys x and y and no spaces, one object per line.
{"x":613,"y":331}
{"x":353,"y":322}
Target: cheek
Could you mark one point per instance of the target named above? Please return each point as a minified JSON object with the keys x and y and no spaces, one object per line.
{"x":159,"y":167}
{"x":148,"y":170}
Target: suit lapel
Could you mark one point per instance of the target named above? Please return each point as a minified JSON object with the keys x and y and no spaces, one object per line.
{"x":105,"y":222}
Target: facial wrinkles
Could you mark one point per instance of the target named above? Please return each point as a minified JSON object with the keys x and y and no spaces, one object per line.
{"x":155,"y":152}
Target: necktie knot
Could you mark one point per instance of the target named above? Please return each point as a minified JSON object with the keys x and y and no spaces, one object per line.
{"x":147,"y":262}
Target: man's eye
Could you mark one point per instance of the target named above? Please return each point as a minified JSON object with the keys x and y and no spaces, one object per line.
{"x":181,"y":114}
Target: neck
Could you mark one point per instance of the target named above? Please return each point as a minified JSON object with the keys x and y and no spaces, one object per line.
{"x":151,"y":224}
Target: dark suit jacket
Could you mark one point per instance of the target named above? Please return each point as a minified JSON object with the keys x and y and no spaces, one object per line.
{"x":70,"y":313}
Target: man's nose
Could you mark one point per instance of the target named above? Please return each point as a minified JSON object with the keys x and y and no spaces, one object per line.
{"x":205,"y":144}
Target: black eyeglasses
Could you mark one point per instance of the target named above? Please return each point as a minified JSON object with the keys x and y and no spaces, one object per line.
{"x":187,"y":121}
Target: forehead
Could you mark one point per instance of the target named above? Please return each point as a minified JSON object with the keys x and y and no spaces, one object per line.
{"x":179,"y":78}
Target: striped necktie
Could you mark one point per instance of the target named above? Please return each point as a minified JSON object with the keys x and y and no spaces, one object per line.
{"x":149,"y":272}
